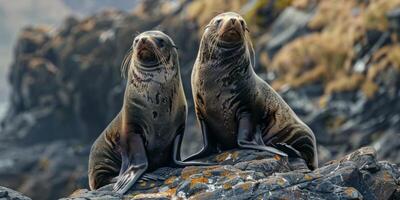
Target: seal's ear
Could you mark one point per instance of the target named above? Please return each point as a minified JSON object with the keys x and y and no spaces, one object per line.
{"x":126,"y":62}
{"x":174,"y":46}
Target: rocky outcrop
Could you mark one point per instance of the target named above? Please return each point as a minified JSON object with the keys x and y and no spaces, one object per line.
{"x":8,"y":194}
{"x":248,"y":174}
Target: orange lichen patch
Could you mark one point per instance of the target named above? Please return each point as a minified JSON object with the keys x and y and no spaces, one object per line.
{"x":387,"y":176}
{"x":246,"y":186}
{"x":195,"y":181}
{"x":207,"y":173}
{"x":227,"y":186}
{"x":277,"y":157}
{"x":188,"y":171}
{"x":235,"y":155}
{"x":223,"y":156}
{"x":281,"y":181}
{"x":307,"y":177}
{"x":142,"y":183}
{"x":170,"y":180}
{"x":351,"y":192}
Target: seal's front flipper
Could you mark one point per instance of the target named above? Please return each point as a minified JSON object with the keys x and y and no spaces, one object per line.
{"x":208,"y":146}
{"x":250,"y":139}
{"x":176,"y":153}
{"x":134,"y":163}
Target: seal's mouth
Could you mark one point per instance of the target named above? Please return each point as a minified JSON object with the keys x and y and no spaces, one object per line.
{"x":146,"y":55}
{"x":231,"y":35}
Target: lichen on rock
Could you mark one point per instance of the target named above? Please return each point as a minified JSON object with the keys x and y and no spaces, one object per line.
{"x":250,"y":174}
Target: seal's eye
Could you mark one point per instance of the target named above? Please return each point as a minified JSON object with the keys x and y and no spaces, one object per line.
{"x":242,"y":23}
{"x":160,"y":42}
{"x":218,"y":21}
{"x":135,"y":41}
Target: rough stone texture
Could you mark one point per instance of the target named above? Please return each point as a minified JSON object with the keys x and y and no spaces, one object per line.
{"x":248,"y":174}
{"x":8,"y":194}
{"x":52,"y":170}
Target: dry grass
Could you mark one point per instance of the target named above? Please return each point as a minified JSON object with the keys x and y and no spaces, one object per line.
{"x":328,"y":55}
{"x":256,"y":20}
{"x":203,"y":11}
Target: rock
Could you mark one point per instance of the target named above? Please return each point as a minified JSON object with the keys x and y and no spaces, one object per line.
{"x":290,"y":24}
{"x":249,"y":174}
{"x":45,"y":171}
{"x":8,"y":194}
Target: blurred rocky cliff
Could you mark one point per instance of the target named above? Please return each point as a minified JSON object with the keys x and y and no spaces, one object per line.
{"x":336,"y":62}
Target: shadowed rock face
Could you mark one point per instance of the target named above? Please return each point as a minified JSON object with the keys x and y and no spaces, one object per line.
{"x":248,"y":174}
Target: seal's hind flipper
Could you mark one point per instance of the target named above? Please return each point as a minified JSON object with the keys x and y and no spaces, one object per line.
{"x":127,"y":179}
{"x":134,"y":163}
{"x":250,"y":139}
{"x":176,"y":154}
{"x":208,"y":146}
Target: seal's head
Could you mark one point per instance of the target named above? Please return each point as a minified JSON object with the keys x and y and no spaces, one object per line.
{"x":228,"y":28}
{"x":226,"y":34}
{"x":150,"y":50}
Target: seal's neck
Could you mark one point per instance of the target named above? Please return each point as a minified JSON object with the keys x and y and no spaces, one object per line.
{"x":227,"y":59}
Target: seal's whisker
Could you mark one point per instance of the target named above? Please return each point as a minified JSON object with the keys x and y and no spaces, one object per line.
{"x":160,"y":56}
{"x":212,"y":43}
{"x":126,"y":62}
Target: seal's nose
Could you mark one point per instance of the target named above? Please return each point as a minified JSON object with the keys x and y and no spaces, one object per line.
{"x":233,"y":20}
{"x":143,"y":40}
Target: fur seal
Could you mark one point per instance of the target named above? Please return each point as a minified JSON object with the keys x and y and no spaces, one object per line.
{"x":235,"y":107}
{"x":148,"y":131}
